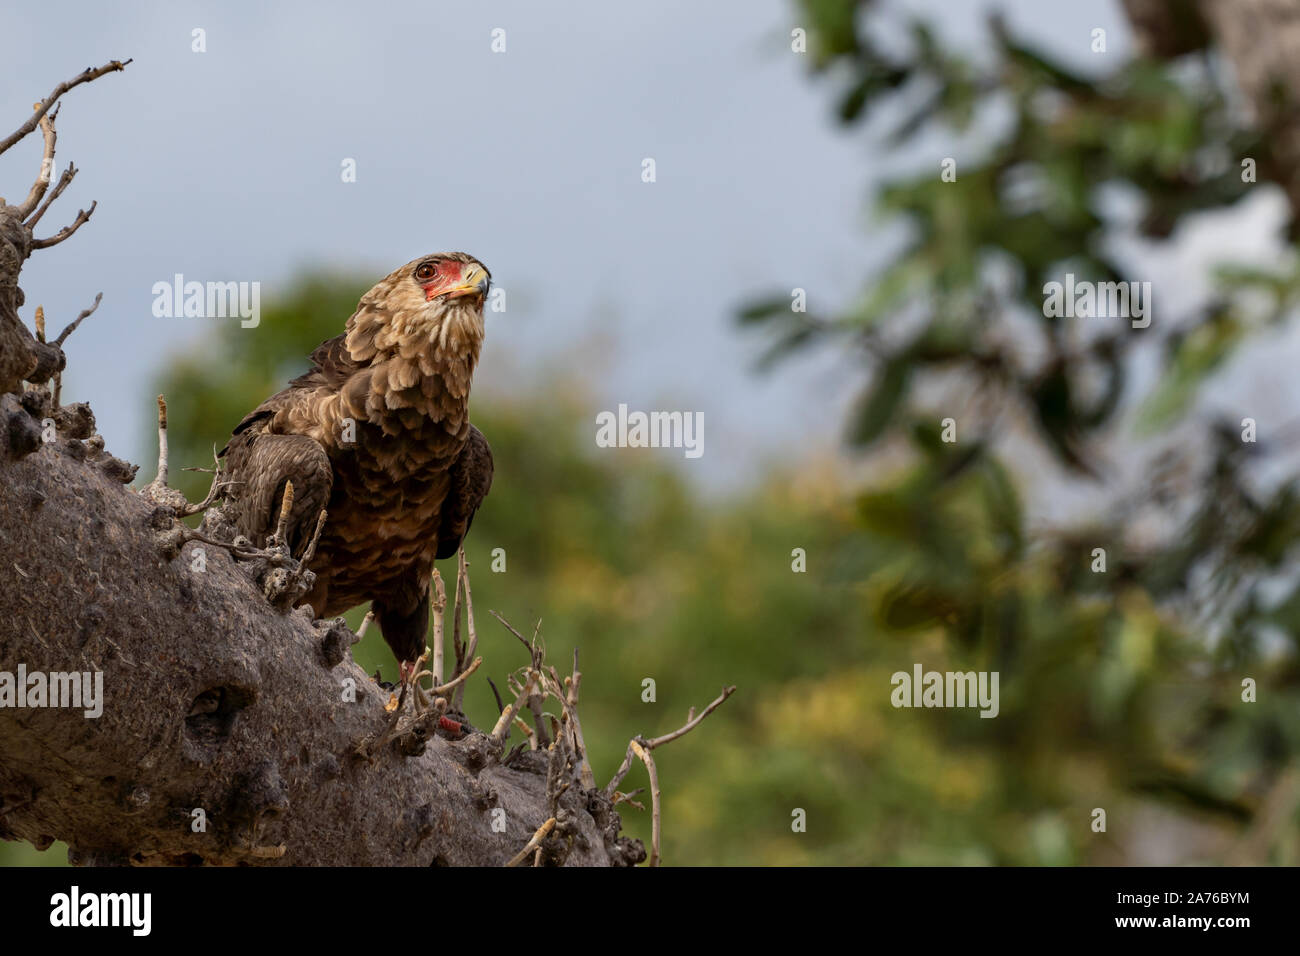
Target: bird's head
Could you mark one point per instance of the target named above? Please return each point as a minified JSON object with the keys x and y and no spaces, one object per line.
{"x":449,"y":279}
{"x":431,"y":304}
{"x":433,"y":285}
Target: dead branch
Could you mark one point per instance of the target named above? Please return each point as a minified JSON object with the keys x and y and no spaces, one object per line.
{"x":215,"y":491}
{"x":533,"y":842}
{"x":644,"y":754}
{"x":442,"y":689}
{"x":47,"y":166}
{"x":64,"y":180}
{"x":83,"y":217}
{"x":75,"y":323}
{"x":44,"y":106}
{"x":471,"y":645}
{"x":691,"y":723}
{"x":439,"y":606}
{"x":365,"y":624}
{"x":502,"y":728}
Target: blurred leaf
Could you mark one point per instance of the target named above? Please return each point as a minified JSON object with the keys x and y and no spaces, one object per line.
{"x":1195,"y":356}
{"x":877,"y":407}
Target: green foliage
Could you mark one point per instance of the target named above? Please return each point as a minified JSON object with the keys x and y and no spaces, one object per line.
{"x":1118,"y":687}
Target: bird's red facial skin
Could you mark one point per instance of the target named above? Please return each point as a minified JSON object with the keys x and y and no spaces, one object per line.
{"x":446,"y":272}
{"x":450,"y":279}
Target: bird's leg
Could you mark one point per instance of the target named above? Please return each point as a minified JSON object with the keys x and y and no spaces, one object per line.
{"x":403,"y":617}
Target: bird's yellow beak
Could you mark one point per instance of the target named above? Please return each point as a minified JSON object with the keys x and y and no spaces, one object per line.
{"x":473,"y":281}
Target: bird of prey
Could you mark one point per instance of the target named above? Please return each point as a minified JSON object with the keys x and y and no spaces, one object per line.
{"x":378,"y":433}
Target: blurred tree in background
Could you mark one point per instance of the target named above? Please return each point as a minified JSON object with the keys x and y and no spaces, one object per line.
{"x":1120,"y":689}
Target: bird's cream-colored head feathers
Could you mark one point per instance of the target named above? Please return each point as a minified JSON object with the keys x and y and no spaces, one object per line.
{"x":421,"y":328}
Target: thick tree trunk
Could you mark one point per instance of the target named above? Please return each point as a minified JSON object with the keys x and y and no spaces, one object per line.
{"x":215,"y":701}
{"x":21,"y":356}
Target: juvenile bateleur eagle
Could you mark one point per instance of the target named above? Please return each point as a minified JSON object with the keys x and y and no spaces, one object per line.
{"x":378,"y":432}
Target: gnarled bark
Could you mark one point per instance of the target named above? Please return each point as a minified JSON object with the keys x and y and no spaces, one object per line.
{"x":214,"y":700}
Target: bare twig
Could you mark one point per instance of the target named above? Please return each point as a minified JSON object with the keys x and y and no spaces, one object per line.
{"x":536,"y":701}
{"x":692,"y":722}
{"x":274,"y":558}
{"x":365,"y":623}
{"x":459,"y":680}
{"x":72,"y":326}
{"x":578,"y":743}
{"x":83,"y":217}
{"x":65,"y":178}
{"x":501,"y":708}
{"x":309,"y":552}
{"x":214,"y":490}
{"x":527,"y":731}
{"x":439,"y":640}
{"x":644,"y":754}
{"x":502,"y":727}
{"x":440,"y":690}
{"x":472,"y":643}
{"x":690,"y":725}
{"x":507,"y":625}
{"x":456,"y":644}
{"x":158,"y":492}
{"x":44,"y":107}
{"x":556,"y":768}
{"x":620,"y":797}
{"x":282,"y":523}
{"x":542,"y":832}
{"x":42,"y":182}
{"x":161,"y":477}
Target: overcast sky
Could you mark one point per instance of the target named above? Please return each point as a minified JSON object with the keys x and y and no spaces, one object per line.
{"x":225,"y":165}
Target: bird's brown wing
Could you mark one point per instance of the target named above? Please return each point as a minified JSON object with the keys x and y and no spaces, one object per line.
{"x":471,"y":477}
{"x":332,"y":365}
{"x":260,"y":463}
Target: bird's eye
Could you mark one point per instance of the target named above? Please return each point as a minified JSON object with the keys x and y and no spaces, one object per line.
{"x":426,"y":271}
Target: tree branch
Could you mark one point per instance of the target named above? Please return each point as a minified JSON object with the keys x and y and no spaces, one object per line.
{"x":43,"y":107}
